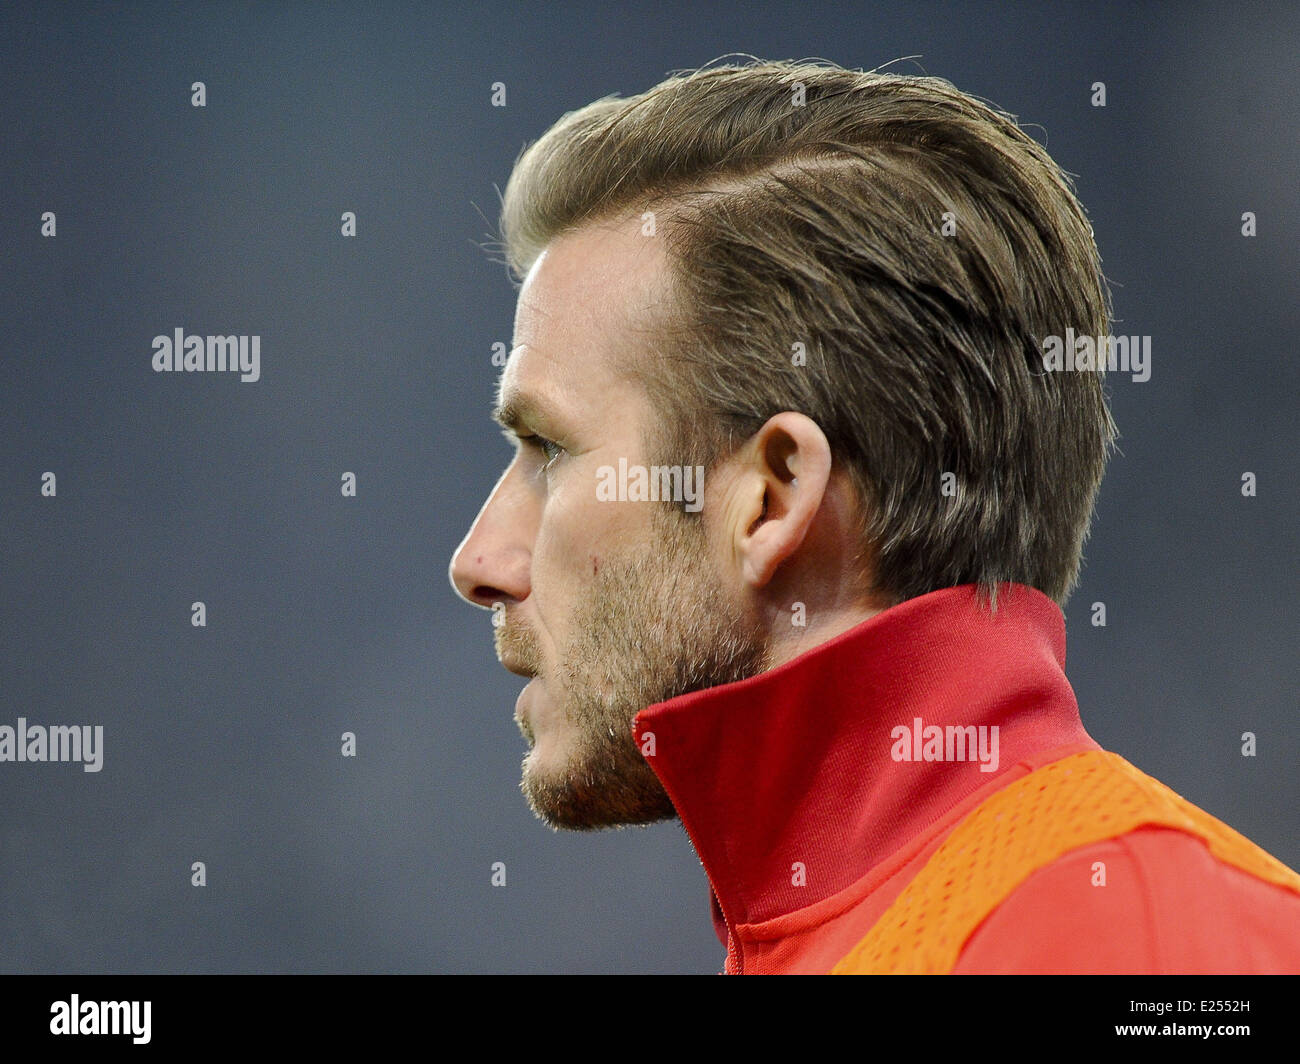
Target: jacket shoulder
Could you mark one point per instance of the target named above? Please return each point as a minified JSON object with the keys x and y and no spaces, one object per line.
{"x":1155,"y":900}
{"x":1091,"y":854}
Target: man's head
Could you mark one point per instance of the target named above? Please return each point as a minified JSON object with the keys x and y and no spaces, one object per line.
{"x":827,"y":289}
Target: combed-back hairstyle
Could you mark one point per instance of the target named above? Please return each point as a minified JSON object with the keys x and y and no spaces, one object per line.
{"x":880,"y":252}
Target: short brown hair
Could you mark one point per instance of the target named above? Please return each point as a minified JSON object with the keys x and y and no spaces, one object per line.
{"x":806,"y":204}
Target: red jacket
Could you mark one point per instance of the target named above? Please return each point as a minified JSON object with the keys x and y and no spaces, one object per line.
{"x":811,"y":803}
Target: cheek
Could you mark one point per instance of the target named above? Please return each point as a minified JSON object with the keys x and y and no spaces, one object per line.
{"x":576,"y":536}
{"x":567,"y":536}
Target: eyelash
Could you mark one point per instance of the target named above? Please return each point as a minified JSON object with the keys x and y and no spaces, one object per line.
{"x":542,"y":444}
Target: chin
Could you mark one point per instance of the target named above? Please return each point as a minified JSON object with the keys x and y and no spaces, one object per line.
{"x":545,"y":771}
{"x":548,"y":755}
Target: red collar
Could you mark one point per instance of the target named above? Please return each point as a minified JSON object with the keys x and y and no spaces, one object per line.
{"x":796,"y":764}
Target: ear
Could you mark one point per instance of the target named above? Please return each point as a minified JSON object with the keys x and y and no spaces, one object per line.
{"x":785,"y":470}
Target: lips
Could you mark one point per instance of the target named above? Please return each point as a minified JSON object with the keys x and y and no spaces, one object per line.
{"x":521,"y":715}
{"x":516,"y":649}
{"x":515,"y":666}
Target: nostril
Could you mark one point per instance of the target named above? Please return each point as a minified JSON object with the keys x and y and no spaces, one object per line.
{"x":485,"y":595}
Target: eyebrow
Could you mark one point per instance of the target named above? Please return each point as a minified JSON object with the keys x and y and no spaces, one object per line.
{"x":518,"y":409}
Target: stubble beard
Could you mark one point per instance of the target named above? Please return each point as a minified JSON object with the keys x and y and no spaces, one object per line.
{"x":657,"y":624}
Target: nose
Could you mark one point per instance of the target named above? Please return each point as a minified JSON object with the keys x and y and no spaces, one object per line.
{"x":492,"y":562}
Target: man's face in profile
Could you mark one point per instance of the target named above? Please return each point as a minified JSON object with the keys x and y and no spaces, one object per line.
{"x":607,"y":606}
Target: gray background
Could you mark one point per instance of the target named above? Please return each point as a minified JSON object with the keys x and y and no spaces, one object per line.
{"x":328,"y":614}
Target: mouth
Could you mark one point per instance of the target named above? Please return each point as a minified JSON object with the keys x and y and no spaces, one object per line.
{"x":521,"y":717}
{"x":517,"y":667}
{"x":516,"y":652}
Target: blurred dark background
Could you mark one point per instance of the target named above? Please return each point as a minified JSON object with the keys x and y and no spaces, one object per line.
{"x":327,"y":614}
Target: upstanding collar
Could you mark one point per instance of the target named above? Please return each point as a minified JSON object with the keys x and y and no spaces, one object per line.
{"x":794,"y":783}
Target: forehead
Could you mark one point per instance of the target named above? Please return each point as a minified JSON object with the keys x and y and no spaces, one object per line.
{"x":584,"y":311}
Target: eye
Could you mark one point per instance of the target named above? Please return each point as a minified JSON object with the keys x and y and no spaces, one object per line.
{"x":549,"y":448}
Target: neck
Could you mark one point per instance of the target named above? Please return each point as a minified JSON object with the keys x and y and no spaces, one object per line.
{"x":796,"y":632}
